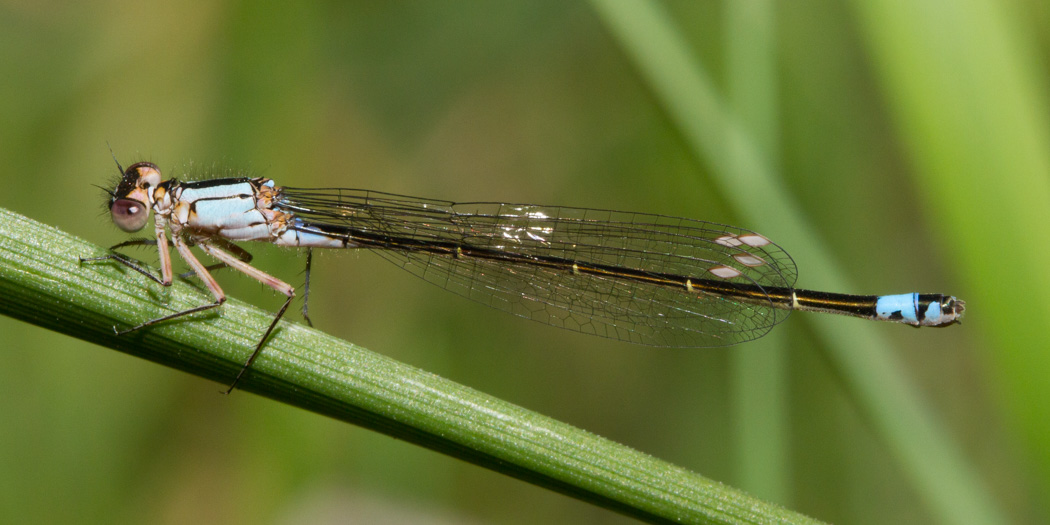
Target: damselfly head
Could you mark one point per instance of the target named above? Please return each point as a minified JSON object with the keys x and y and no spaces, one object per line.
{"x":130,"y":203}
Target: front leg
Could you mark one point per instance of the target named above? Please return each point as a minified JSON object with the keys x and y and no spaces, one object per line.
{"x":160,"y":225}
{"x":160,"y":241}
{"x":202,"y":272}
{"x":134,"y":242}
{"x":239,"y":252}
{"x":126,"y":261}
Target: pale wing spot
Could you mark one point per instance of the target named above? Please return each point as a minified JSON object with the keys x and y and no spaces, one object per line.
{"x":725,"y":272}
{"x":753,"y":239}
{"x":728,"y":240}
{"x":748,"y":260}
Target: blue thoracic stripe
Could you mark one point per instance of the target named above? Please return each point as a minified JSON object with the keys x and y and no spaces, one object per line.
{"x":229,"y":213}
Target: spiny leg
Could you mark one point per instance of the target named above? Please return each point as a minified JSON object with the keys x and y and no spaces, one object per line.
{"x":306,"y":287}
{"x":259,"y":346}
{"x":263,"y":277}
{"x":136,"y":265}
{"x":134,"y":242}
{"x":126,"y":261}
{"x":175,"y":315}
{"x":202,"y":272}
{"x":238,"y":260}
{"x":238,"y":252}
{"x":161,"y":242}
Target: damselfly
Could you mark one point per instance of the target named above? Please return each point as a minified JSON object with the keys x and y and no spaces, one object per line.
{"x":647,"y":279}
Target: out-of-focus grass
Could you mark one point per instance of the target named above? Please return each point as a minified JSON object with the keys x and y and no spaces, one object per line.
{"x":971,"y":101}
{"x":742,"y":165}
{"x":760,"y":371}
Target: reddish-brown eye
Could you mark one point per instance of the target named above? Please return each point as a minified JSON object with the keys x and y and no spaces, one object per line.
{"x":129,"y":215}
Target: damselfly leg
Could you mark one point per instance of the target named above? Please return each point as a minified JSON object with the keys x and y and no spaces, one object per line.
{"x":254,"y":273}
{"x":306,"y":287}
{"x":126,"y":261}
{"x":237,"y":261}
{"x":241,"y":254}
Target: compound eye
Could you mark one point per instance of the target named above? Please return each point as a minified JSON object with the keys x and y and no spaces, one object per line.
{"x":129,"y":215}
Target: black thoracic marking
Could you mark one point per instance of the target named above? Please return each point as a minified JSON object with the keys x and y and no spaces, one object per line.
{"x":169,"y":186}
{"x":214,"y":182}
{"x":193,"y":205}
{"x":225,"y":197}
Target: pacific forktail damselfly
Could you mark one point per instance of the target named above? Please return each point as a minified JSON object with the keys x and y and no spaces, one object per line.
{"x":643,"y":278}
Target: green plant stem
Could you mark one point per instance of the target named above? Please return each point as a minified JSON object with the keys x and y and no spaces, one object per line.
{"x":43,"y":282}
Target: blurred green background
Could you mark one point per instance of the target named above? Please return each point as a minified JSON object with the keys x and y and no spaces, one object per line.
{"x":914,"y":137}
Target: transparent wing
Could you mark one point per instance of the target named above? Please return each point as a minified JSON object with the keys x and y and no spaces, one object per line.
{"x":528,"y":284}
